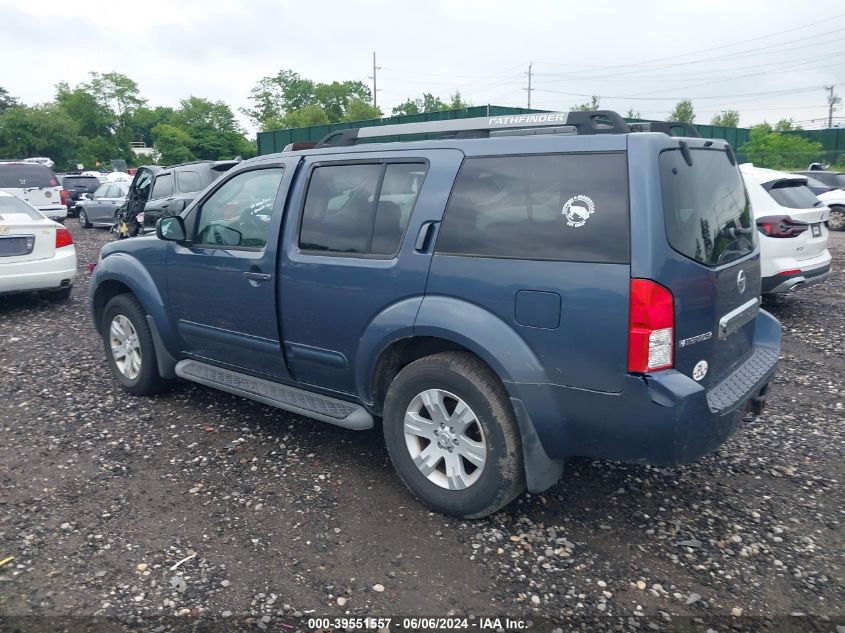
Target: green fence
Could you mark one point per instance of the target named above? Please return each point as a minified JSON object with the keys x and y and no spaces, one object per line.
{"x":833,"y":140}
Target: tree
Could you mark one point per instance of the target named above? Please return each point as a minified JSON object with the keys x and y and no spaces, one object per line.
{"x":429,"y":103}
{"x":683,"y":112}
{"x":115,"y":91}
{"x":632,"y":114}
{"x":43,"y":130}
{"x":304,"y":117}
{"x":275,"y":98}
{"x":360,"y":110}
{"x":6,"y":100}
{"x":726,"y":118}
{"x":213,"y":129}
{"x":776,"y":148}
{"x":593,"y":104}
{"x":172,"y":144}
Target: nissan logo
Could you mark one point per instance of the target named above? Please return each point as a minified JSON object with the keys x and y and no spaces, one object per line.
{"x":740,"y":281}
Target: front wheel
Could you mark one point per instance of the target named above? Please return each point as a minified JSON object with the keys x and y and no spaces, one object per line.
{"x":128,"y":344}
{"x":452,"y":435}
{"x":837,"y":219}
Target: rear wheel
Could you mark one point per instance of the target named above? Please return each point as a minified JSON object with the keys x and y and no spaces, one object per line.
{"x":837,"y":219}
{"x":128,"y":344}
{"x":452,"y":435}
{"x":83,"y":219}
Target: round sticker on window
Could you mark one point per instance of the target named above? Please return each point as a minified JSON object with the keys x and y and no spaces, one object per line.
{"x":577,"y":210}
{"x":700,"y":370}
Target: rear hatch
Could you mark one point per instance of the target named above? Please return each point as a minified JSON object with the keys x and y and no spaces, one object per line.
{"x":77,"y":185}
{"x":713,"y":269}
{"x":34,"y":183}
{"x":800,"y":220}
{"x":25,"y":234}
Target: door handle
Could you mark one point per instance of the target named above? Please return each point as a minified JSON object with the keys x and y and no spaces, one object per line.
{"x":257,"y":276}
{"x":424,"y":236}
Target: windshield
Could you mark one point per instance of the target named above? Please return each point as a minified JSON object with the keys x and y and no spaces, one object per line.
{"x":706,"y":209}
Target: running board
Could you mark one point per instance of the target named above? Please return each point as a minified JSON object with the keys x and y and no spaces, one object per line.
{"x":307,"y":403}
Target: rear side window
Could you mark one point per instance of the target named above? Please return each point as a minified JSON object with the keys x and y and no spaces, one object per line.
{"x":361,"y":208}
{"x":20,"y":176}
{"x":12,"y":204}
{"x":189,"y":181}
{"x":163,"y":186}
{"x":566,"y":207}
{"x":793,"y":194}
{"x":705,"y":207}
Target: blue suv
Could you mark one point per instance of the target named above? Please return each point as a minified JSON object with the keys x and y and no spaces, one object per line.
{"x":517,"y":291}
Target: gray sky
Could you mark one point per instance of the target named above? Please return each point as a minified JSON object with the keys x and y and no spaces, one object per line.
{"x":645,"y":54}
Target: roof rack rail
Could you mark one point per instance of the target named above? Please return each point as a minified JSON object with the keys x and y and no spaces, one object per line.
{"x":592,"y":122}
{"x":667,"y":127}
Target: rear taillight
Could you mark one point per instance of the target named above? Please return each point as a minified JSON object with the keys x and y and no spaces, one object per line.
{"x":64,"y":195}
{"x":781,"y":226}
{"x":63,"y":237}
{"x":651,"y":327}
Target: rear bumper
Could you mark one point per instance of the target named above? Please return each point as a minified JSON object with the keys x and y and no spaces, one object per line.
{"x":663,"y":418}
{"x":40,"y":274}
{"x":786,"y":283}
{"x":54,"y":211}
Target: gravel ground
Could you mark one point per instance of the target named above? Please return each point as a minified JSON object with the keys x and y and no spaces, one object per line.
{"x":197,"y":510}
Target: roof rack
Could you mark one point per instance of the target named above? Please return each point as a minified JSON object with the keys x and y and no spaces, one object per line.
{"x":667,"y":127}
{"x":593,"y":122}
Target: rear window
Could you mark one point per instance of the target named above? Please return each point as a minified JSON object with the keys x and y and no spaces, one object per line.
{"x":88,"y":184}
{"x":792,"y":194}
{"x":25,"y":176}
{"x":831,"y":179}
{"x":706,"y":209}
{"x":566,"y":207}
{"x":11,"y":204}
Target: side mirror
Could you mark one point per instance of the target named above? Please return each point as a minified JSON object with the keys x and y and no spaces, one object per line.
{"x":172,"y":229}
{"x":86,"y":196}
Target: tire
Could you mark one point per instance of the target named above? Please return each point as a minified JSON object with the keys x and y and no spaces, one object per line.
{"x":62,"y":294}
{"x":837,"y":219}
{"x":83,"y":219}
{"x":136,"y":371}
{"x":449,"y":380}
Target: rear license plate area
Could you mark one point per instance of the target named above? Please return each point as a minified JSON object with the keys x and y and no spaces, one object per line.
{"x":816,"y":229}
{"x":17,"y":245}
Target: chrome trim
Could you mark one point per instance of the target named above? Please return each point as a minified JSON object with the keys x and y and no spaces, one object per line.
{"x":738,"y":317}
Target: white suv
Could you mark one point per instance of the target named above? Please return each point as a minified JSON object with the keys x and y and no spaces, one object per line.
{"x":36,"y":184}
{"x":792,"y":226}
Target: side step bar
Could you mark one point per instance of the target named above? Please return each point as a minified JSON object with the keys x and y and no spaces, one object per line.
{"x":312,"y":405}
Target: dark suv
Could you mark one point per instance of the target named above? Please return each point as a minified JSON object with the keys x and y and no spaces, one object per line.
{"x":156,"y":191}
{"x":75,"y":187}
{"x":558,"y":287}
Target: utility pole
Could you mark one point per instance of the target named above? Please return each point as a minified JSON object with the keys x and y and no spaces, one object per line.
{"x":832,"y":101}
{"x":375,"y":88}
{"x":529,"y":88}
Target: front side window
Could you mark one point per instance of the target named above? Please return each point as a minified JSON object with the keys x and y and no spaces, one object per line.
{"x":101,"y":191}
{"x":238,"y":214}
{"x":564,"y":207}
{"x":360,"y":209}
{"x":705,"y":207}
{"x":163,"y":186}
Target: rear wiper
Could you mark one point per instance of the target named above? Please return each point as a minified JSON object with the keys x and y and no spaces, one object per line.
{"x":685,"y":153}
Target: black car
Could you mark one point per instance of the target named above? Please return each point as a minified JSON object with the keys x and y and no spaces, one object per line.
{"x":156,"y":191}
{"x":75,"y":185}
{"x":833,"y":179}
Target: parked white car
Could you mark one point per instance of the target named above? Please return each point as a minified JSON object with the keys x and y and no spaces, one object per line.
{"x":35,"y":252}
{"x":792,"y":226}
{"x":835,"y":199}
{"x":35,"y":183}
